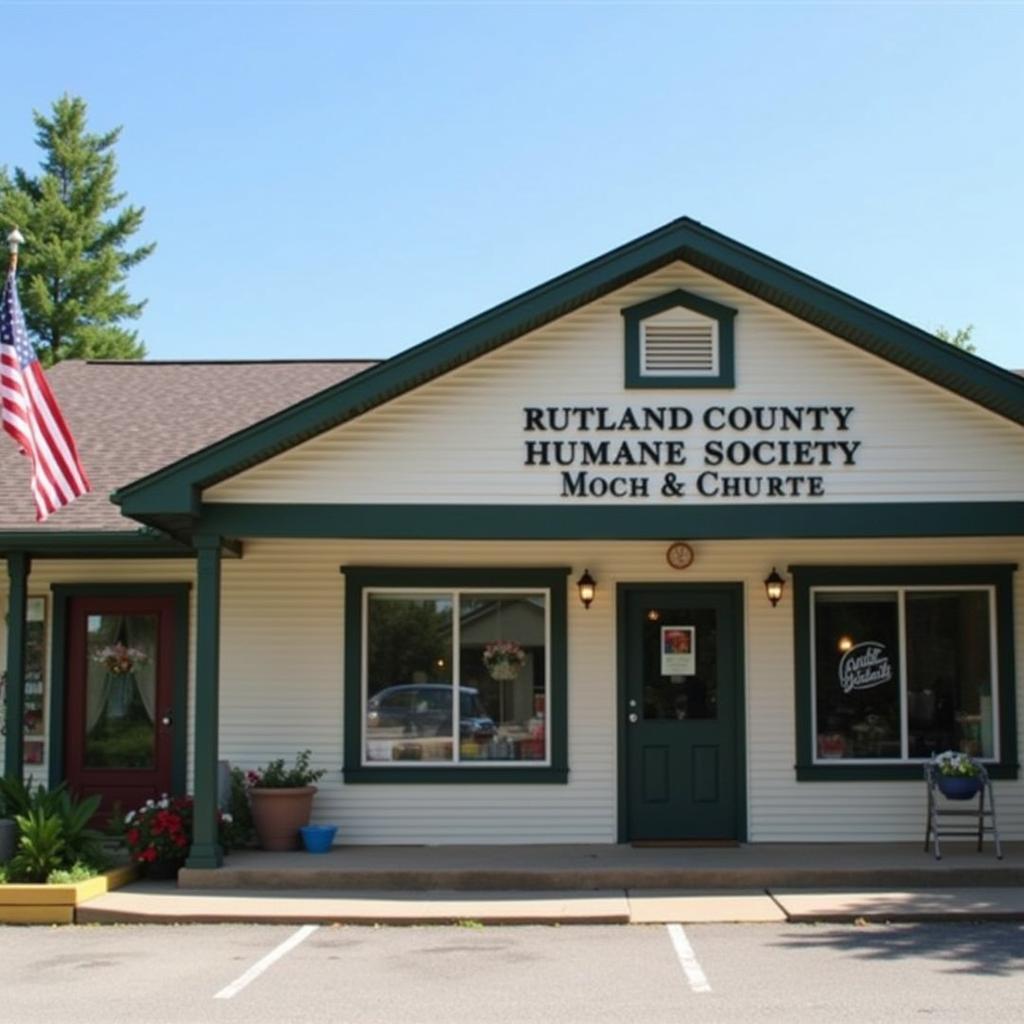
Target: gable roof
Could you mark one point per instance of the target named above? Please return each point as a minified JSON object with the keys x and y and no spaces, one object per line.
{"x":132,"y":417}
{"x":170,"y":496}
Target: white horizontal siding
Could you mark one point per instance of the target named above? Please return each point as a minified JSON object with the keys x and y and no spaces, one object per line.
{"x":282,"y":668}
{"x":281,"y":686}
{"x":460,"y":439}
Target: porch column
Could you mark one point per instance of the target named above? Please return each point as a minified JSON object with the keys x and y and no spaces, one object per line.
{"x":18,"y":566}
{"x":206,"y":851}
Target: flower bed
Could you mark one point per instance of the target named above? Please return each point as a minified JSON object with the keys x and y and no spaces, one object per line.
{"x":30,"y":903}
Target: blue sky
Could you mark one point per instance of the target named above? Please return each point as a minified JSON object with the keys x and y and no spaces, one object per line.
{"x":345,"y":180}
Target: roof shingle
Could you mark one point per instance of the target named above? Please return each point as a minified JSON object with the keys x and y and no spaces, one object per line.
{"x":131,"y":418}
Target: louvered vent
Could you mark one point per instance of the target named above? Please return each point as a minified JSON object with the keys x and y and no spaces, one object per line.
{"x":679,"y":349}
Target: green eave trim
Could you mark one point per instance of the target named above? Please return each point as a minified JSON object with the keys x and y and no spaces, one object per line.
{"x":98,"y":544}
{"x":610,"y":522}
{"x":175,"y":489}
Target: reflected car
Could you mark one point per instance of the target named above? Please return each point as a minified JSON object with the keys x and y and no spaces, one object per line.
{"x":425,"y":709}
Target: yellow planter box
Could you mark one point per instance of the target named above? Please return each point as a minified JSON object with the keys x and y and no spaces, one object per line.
{"x":55,"y":904}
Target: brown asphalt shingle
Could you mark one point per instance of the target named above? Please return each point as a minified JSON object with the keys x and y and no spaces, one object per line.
{"x":131,"y":418}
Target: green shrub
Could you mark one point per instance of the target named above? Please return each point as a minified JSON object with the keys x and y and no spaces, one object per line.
{"x":240,"y":832}
{"x":53,"y":829}
{"x":78,"y":872}
{"x":40,"y":846}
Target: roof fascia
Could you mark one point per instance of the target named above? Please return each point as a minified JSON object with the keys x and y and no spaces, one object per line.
{"x":175,"y":490}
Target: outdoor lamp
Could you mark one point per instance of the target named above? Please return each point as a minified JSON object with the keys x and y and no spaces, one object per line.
{"x":774,"y":586}
{"x":587,"y":587}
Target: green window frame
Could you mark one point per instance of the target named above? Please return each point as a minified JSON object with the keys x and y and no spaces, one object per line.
{"x":807,"y":579}
{"x":360,"y":579}
{"x":724,"y":317}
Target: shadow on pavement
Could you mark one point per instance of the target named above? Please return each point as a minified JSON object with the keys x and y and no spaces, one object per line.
{"x":980,"y":948}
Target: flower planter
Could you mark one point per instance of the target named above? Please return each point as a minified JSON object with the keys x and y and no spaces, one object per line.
{"x":28,"y":903}
{"x":278,"y":814}
{"x":161,"y":870}
{"x":958,"y":787}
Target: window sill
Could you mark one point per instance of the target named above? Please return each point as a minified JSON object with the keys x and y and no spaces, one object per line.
{"x":883,"y":772}
{"x":456,"y":776}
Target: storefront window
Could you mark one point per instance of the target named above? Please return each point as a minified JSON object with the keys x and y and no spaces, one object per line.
{"x":902,"y":673}
{"x":456,"y":677}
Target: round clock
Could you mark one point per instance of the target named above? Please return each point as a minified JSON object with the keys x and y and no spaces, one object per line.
{"x":679,"y":555}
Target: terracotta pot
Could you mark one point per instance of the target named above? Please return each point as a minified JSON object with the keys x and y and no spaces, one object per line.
{"x":278,"y":814}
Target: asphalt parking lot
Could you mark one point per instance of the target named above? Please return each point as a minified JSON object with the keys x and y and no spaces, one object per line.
{"x":468,"y":973}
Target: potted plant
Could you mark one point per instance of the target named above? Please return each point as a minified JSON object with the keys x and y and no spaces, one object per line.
{"x":282,"y":801}
{"x":159,"y":833}
{"x":957,"y":775}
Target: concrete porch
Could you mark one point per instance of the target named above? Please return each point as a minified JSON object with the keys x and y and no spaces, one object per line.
{"x":538,"y":868}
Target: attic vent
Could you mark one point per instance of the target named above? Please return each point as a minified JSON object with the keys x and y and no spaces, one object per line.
{"x":673,"y":347}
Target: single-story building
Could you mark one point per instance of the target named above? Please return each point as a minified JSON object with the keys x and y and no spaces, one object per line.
{"x":682,"y":544}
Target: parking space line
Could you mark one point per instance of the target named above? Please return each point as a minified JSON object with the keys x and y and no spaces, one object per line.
{"x":271,"y":958}
{"x":688,"y":959}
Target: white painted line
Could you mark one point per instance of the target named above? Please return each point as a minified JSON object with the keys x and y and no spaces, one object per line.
{"x":688,"y":959}
{"x":271,"y":958}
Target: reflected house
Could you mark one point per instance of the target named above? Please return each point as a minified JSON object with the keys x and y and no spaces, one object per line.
{"x":381,"y":562}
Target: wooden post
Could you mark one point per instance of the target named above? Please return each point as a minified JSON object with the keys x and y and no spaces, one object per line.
{"x":18,"y":566}
{"x":206,"y":851}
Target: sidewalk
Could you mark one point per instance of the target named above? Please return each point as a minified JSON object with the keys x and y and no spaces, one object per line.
{"x":165,"y":903}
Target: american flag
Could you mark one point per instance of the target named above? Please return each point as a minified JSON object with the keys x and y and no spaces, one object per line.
{"x":31,"y":416}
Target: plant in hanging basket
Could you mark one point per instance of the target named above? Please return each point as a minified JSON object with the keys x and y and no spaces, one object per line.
{"x":503,"y":659}
{"x":957,"y":775}
{"x":119,"y":659}
{"x":282,"y":800}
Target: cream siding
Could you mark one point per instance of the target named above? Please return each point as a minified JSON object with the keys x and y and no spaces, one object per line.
{"x":460,"y":439}
{"x":281,"y":691}
{"x":281,"y":686}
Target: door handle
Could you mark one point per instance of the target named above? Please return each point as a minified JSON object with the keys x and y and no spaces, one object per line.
{"x":633,"y":717}
{"x":166,"y":719}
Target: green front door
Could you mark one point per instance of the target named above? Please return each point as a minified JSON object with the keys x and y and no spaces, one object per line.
{"x":682,"y":711}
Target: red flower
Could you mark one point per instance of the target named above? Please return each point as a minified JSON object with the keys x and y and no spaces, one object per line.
{"x":132,"y":836}
{"x":148,"y":854}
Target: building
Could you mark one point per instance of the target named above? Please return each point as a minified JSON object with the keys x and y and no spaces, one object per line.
{"x":317,"y":555}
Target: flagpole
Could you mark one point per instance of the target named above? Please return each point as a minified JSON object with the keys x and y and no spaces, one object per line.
{"x":14,"y":239}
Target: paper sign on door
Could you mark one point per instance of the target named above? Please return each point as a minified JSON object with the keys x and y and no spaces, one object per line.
{"x":678,"y":650}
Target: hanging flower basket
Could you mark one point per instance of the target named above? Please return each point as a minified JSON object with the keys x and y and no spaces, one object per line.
{"x":503,"y":660}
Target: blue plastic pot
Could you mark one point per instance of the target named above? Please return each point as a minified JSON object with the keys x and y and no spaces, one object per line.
{"x":959,"y":787}
{"x":318,"y":838}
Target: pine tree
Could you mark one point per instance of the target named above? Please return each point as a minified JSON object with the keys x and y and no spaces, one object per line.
{"x":73,"y":266}
{"x":960,"y":338}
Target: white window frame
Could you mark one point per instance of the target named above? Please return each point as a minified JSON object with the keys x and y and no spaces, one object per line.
{"x":456,"y":594}
{"x":900,"y":591}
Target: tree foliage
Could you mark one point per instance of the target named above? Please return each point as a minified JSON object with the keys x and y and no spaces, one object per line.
{"x":960,"y":338}
{"x":75,"y":261}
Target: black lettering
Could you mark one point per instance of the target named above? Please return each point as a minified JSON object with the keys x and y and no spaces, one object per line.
{"x":534,"y":418}
{"x":707,"y":484}
{"x":713,"y":453}
{"x":709,"y":412}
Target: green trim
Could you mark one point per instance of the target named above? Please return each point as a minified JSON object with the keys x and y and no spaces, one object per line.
{"x":734,"y":592}
{"x":92,"y":544}
{"x":206,"y":851}
{"x":619,"y":522}
{"x":724,"y":317}
{"x":171,"y":494}
{"x":62,"y":594}
{"x":883,"y":772}
{"x":357,"y":578}
{"x":18,"y":568}
{"x":998,"y":576}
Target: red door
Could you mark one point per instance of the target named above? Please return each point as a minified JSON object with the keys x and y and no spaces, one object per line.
{"x":120,"y":697}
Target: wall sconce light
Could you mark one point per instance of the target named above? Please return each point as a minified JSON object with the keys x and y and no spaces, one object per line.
{"x":587,"y":587}
{"x":774,"y":586}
